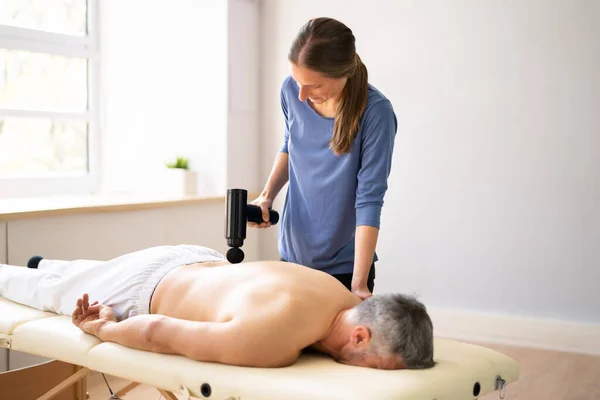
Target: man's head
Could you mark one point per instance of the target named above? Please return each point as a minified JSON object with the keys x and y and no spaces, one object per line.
{"x":390,"y":331}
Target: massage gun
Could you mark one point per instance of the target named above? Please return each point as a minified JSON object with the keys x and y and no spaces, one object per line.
{"x":237,"y":214}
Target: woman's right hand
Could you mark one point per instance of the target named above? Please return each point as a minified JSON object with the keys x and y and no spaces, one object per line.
{"x":265,"y":204}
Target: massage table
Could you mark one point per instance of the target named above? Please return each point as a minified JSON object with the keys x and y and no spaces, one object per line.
{"x":464,"y":371}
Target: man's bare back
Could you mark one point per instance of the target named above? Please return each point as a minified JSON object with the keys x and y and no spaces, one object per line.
{"x":187,"y":300}
{"x":261,"y":314}
{"x":257,"y":314}
{"x":278,"y":307}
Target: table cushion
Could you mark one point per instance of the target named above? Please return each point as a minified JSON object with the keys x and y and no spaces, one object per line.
{"x":461,"y":367}
{"x":12,"y":315}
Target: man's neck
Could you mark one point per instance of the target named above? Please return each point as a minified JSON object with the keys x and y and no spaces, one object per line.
{"x":336,"y":336}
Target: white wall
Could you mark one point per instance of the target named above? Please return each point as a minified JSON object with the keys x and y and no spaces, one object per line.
{"x":190,"y":88}
{"x":494,"y":194}
{"x":3,"y":255}
{"x":164,"y":80}
{"x":247,"y":150}
{"x":3,"y":352}
{"x":243,"y":100}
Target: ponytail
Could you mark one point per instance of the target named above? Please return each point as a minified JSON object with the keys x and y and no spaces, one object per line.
{"x":350,"y":110}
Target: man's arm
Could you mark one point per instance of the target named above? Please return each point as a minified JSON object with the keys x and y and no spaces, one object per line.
{"x":256,"y":342}
{"x":201,"y":341}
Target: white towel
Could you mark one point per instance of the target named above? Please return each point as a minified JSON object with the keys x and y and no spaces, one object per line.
{"x":125,"y":283}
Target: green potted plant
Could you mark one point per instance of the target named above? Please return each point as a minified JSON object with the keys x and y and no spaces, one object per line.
{"x":181,"y":177}
{"x":180,"y":162}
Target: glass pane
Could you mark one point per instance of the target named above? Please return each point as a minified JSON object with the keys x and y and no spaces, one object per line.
{"x":40,"y":81}
{"x":33,"y":146}
{"x":58,"y":16}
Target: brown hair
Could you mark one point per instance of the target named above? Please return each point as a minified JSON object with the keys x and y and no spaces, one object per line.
{"x":327,"y":46}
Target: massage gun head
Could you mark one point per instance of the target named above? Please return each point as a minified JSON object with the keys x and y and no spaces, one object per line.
{"x":235,"y":255}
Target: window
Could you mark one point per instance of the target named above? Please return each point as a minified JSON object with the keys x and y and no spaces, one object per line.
{"x":49,"y":86}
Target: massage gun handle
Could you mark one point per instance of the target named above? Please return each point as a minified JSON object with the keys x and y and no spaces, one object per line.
{"x":254,"y":214}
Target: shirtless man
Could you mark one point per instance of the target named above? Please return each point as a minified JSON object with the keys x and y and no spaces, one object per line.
{"x":189,"y":300}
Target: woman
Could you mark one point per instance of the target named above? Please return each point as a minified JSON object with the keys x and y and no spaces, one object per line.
{"x":336,"y":156}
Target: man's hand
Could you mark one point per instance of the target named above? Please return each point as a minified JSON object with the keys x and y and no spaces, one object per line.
{"x":91,"y":318}
{"x":362,"y":291}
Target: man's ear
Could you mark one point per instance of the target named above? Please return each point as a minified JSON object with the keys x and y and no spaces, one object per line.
{"x":361,"y":336}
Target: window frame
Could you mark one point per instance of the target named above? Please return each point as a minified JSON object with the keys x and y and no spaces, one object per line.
{"x":61,"y":183}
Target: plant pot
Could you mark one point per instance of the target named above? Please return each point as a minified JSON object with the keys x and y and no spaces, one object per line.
{"x":179,"y":181}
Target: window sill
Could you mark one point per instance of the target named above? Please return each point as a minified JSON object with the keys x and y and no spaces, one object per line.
{"x":25,"y":208}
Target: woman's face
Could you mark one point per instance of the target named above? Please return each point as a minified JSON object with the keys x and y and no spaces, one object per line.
{"x":316,"y":87}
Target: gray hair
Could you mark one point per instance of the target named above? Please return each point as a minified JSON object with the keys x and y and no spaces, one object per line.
{"x":399,"y":325}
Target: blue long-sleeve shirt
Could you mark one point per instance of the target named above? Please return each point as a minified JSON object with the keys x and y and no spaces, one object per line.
{"x":328,"y":196}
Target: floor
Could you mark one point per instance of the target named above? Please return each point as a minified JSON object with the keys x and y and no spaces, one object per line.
{"x":544,"y":375}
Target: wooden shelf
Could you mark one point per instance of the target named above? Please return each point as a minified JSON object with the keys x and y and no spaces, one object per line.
{"x":12,"y":209}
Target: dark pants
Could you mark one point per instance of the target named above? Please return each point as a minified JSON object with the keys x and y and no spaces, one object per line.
{"x":346,"y":279}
